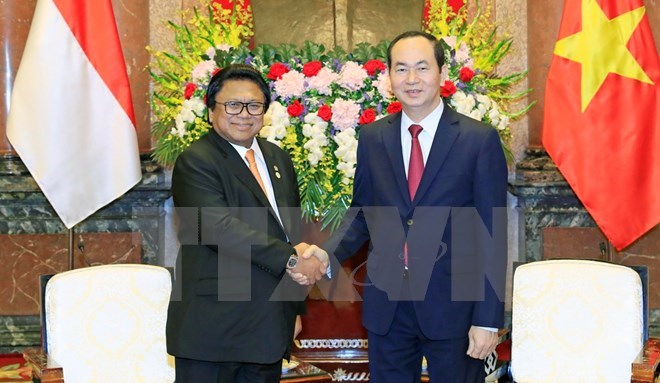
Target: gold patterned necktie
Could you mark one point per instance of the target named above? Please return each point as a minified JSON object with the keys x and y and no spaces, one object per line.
{"x":253,"y":168}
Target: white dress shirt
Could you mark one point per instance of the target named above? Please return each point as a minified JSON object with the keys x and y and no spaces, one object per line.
{"x":429,"y":126}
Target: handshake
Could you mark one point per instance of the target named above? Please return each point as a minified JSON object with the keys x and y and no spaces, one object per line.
{"x":313,"y":263}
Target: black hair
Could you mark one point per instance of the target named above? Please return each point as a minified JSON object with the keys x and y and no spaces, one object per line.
{"x":438,"y":51}
{"x":241,"y":72}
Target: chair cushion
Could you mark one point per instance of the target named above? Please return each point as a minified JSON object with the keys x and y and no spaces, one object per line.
{"x":107,"y":323}
{"x":575,"y":321}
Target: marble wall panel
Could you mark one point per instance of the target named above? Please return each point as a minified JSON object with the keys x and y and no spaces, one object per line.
{"x":27,"y":256}
{"x":585,"y":243}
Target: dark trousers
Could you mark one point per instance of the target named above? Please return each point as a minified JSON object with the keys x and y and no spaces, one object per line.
{"x":197,"y":371}
{"x":396,"y":357}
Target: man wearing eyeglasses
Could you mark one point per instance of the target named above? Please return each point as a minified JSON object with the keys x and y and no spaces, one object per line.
{"x":237,"y":315}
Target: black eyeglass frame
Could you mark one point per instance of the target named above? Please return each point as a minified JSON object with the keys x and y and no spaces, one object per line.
{"x":244,"y":105}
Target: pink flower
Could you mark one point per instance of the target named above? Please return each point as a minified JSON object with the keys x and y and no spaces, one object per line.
{"x":345,"y":114}
{"x":201,"y":72}
{"x":352,"y":76}
{"x":384,"y":85}
{"x":291,"y":84}
{"x":322,"y":81}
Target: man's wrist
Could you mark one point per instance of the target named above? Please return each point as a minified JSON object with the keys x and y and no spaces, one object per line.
{"x":292,"y":262}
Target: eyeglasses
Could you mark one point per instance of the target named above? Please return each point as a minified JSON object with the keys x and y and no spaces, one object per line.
{"x":236,"y":107}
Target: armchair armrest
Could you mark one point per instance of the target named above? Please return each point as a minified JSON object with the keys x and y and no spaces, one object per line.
{"x":645,"y":366}
{"x":44,"y":368}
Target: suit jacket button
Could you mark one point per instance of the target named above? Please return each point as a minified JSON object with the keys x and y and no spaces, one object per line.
{"x":409,"y":222}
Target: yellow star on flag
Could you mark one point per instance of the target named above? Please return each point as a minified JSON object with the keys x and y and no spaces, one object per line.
{"x":601,"y":48}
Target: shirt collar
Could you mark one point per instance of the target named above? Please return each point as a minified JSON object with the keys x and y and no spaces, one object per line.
{"x":429,"y":123}
{"x":258,"y":155}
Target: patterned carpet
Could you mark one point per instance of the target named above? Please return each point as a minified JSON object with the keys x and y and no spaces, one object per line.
{"x":13,"y":369}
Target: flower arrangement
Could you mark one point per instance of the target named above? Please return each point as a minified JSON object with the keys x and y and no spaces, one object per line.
{"x":320,"y":98}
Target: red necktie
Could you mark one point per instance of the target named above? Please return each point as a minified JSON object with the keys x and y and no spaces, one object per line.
{"x":415,"y":171}
{"x":416,"y":164}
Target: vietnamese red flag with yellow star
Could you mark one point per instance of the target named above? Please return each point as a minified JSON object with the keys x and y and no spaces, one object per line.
{"x":601,"y":122}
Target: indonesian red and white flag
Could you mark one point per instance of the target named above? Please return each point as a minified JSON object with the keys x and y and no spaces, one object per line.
{"x":71,"y":116}
{"x":601,"y":123}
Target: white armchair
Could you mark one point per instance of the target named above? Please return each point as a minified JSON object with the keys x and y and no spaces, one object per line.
{"x":107,"y":324}
{"x":575,"y":321}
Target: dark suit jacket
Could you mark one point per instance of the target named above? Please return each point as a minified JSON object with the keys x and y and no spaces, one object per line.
{"x":233,"y":256}
{"x":464,"y":180}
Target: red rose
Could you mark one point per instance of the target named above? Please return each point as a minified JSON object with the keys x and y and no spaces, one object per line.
{"x":325,"y":113}
{"x":276,"y":71}
{"x":215,"y":71}
{"x":312,"y":68}
{"x":189,"y":91}
{"x":374,"y":66}
{"x":369,"y":115}
{"x":466,"y":74}
{"x":394,"y":107}
{"x":447,"y":89}
{"x":295,"y":109}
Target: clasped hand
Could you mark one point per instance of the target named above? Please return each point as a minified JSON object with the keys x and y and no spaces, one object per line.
{"x":312,"y":264}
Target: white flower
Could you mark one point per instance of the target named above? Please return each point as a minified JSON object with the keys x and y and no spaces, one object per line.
{"x":315,"y":152}
{"x":346,"y":153}
{"x":315,"y":129}
{"x":463,"y":102}
{"x":276,"y":120}
{"x":180,"y":127}
{"x":484,"y":100}
{"x":504,"y":122}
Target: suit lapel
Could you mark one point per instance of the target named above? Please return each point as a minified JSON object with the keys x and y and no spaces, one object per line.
{"x":448,"y":130}
{"x":391,"y":134}
{"x":240,"y":169}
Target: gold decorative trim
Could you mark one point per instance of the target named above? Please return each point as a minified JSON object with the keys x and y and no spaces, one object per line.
{"x":339,"y":375}
{"x":331,"y":343}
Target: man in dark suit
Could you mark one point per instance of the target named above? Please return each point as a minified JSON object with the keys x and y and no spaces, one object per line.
{"x":430,"y":195}
{"x":236,"y":197}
